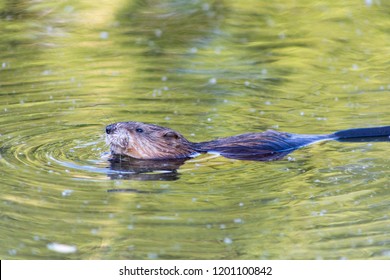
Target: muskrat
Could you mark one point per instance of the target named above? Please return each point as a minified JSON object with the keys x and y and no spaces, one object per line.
{"x":148,"y":141}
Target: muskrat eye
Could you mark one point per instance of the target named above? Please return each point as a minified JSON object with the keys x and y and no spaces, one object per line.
{"x":139,"y":130}
{"x":110,"y":128}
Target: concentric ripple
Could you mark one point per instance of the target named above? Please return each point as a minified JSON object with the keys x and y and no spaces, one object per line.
{"x":55,"y":150}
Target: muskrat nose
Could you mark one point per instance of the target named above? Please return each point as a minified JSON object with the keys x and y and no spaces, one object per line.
{"x":110,"y":128}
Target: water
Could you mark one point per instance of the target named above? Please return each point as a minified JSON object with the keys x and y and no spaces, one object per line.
{"x":207,"y":69}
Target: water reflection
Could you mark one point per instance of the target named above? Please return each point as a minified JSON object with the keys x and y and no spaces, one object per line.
{"x":166,"y":28}
{"x":145,"y":170}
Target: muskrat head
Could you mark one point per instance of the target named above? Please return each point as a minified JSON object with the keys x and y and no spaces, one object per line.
{"x":146,"y":141}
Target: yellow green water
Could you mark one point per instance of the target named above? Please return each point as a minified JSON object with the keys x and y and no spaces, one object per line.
{"x":207,"y":69}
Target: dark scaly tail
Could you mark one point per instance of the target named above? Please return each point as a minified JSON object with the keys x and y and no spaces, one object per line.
{"x":363,"y":134}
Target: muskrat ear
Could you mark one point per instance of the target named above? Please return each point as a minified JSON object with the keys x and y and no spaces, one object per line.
{"x":171,"y":134}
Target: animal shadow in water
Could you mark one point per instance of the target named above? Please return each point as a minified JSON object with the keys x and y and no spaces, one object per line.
{"x":127,"y":168}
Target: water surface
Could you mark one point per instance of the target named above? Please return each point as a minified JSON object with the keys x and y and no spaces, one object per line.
{"x":207,"y":69}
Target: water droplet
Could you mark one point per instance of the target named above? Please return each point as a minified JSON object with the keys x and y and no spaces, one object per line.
{"x":46,"y":72}
{"x":158,"y":33}
{"x":12,"y":252}
{"x":69,"y":9}
{"x":152,"y":256}
{"x":213,"y":81}
{"x":290,"y":158}
{"x":368,"y":3}
{"x":227,"y":240}
{"x":62,"y":248}
{"x":67,"y":192}
{"x":206,"y":6}
{"x":386,"y":253}
{"x":104,"y":35}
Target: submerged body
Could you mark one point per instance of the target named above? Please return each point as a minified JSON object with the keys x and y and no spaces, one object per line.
{"x":147,"y":141}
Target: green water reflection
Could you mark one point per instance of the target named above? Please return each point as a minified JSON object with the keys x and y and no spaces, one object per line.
{"x":207,"y":69}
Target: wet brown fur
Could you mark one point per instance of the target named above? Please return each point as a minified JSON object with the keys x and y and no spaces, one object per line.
{"x":148,"y":141}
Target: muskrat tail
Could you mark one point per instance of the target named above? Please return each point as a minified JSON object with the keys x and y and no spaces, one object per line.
{"x":362,"y":133}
